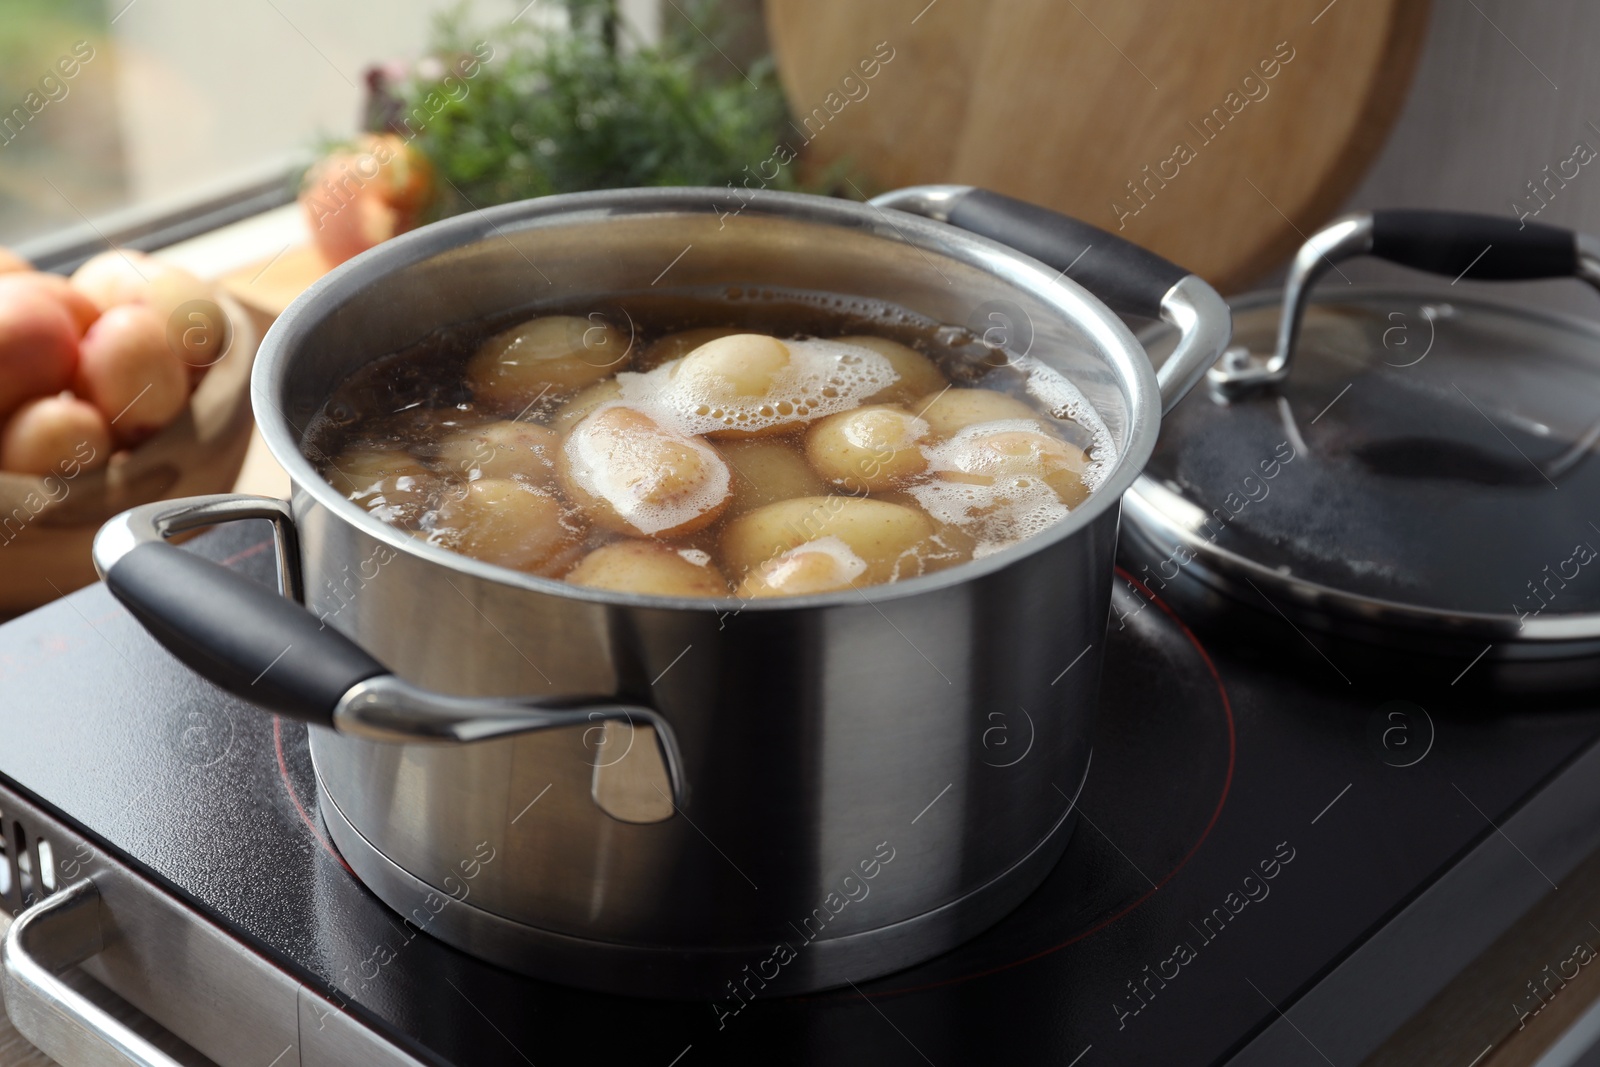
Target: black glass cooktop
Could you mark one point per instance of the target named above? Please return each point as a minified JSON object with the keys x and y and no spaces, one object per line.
{"x":1244,"y":829}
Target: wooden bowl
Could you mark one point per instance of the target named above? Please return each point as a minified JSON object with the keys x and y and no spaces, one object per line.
{"x":48,"y":524}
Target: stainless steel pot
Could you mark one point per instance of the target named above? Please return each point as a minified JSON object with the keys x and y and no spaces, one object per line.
{"x":684,"y":797}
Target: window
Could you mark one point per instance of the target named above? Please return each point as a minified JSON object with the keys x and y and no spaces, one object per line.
{"x":118,"y":117}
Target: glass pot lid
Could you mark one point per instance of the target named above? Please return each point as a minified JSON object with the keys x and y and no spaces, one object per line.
{"x":1424,"y":462}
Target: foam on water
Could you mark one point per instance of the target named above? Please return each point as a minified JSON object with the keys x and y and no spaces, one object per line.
{"x":653,"y":477}
{"x":847,"y":566}
{"x":820,"y":378}
{"x":1062,"y":399}
{"x":1011,"y":508}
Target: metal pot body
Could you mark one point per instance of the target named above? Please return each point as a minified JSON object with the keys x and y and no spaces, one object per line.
{"x":869,"y":778}
{"x":849,"y":768}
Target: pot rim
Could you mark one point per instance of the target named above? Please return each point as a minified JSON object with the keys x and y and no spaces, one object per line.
{"x":1551,"y":632}
{"x":1124,"y":355}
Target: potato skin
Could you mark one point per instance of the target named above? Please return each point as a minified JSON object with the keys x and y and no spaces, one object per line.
{"x":647,"y":567}
{"x":648,"y":480}
{"x":587,"y":399}
{"x":879,"y":532}
{"x":952,"y":411}
{"x":392,"y":484}
{"x":918,"y":375}
{"x":514,"y":525}
{"x":737,"y":373}
{"x":677,"y":345}
{"x":549,"y":354}
{"x":814,"y":567}
{"x":868,"y":450}
{"x":503,"y":449}
{"x":767,"y":471}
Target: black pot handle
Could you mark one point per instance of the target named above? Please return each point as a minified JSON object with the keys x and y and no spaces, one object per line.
{"x":1454,"y":244}
{"x":237,"y":635}
{"x":266,"y":648}
{"x":1128,"y":279}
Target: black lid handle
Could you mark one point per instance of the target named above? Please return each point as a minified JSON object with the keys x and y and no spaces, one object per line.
{"x":1458,"y":244}
{"x":1454,"y":244}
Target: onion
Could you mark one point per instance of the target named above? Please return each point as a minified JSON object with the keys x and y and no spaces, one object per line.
{"x":58,"y":289}
{"x":38,"y":347}
{"x":10,"y":261}
{"x":59,"y":435}
{"x":127,"y":371}
{"x":118,"y":276}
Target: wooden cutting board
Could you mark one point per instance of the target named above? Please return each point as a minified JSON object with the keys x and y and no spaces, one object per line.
{"x":1216,"y":132}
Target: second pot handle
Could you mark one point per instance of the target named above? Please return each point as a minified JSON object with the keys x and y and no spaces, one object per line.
{"x":1454,"y":244}
{"x":1129,"y":279}
{"x":268,"y":649}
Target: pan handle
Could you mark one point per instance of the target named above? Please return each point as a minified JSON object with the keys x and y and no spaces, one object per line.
{"x":1129,"y":279}
{"x":271,"y":651}
{"x":1455,"y":244}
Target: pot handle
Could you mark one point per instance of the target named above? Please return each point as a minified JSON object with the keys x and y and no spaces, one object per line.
{"x":268,"y":649}
{"x":1455,"y":244}
{"x":1129,"y":279}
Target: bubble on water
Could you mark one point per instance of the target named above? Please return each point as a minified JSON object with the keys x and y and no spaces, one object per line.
{"x":1051,"y":389}
{"x":971,"y":489}
{"x":843,"y":564}
{"x":821,"y":378}
{"x":654,"y":477}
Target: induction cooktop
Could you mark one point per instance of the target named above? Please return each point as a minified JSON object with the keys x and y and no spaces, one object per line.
{"x":1271,"y":865}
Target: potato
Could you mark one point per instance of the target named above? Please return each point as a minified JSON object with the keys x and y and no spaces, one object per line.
{"x":55,"y":435}
{"x":553,"y":353}
{"x":677,"y":345}
{"x":918,"y":376}
{"x":739,"y":366}
{"x":127,"y":371}
{"x":767,"y":471}
{"x":390,"y":483}
{"x":635,"y":476}
{"x":952,"y":411}
{"x":647,"y":567}
{"x":736,"y":375}
{"x":38,"y":348}
{"x":868,"y":450}
{"x":572,"y":412}
{"x":503,"y":449}
{"x":886,"y":536}
{"x":10,"y":261}
{"x":1012,"y":456}
{"x":508,"y":523}
{"x":821,"y":566}
{"x":55,"y":288}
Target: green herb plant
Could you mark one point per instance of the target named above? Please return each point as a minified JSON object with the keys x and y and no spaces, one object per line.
{"x":588,"y":108}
